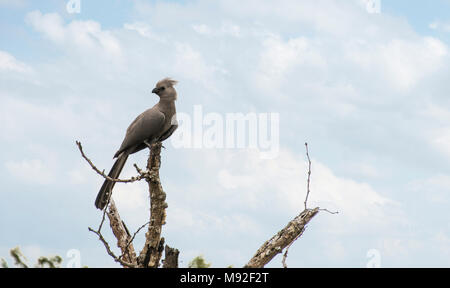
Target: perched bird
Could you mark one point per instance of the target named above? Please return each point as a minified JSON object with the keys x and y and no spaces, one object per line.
{"x":153,"y":125}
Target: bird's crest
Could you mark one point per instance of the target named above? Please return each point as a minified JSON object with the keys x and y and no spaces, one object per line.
{"x":167,"y":81}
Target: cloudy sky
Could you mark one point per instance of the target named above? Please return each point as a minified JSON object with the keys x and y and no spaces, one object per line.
{"x":366,"y":86}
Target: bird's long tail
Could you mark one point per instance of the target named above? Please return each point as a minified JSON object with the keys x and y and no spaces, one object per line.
{"x":105,"y":191}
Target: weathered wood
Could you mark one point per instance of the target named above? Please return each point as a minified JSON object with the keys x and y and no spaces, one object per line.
{"x":275,"y":245}
{"x":171,"y":257}
{"x":122,"y":235}
{"x":150,"y":255}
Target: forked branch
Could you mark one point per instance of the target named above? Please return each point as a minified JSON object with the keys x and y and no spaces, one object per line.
{"x":150,"y":255}
{"x":288,"y":235}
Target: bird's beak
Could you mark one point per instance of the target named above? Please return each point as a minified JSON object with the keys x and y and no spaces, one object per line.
{"x":156,"y":90}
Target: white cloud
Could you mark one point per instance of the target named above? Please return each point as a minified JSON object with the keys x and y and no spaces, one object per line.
{"x":79,"y":175}
{"x":85,"y":35}
{"x":226,"y":29}
{"x":191,"y":64}
{"x":13,"y":3}
{"x":398,"y":247}
{"x":9,"y":63}
{"x":131,"y":197}
{"x":356,"y":200}
{"x":362,"y":169}
{"x":443,"y":242}
{"x":202,"y":29}
{"x":203,"y":222}
{"x":143,"y":29}
{"x":246,"y":181}
{"x":279,"y":57}
{"x":231,"y":29}
{"x":401,"y":62}
{"x":439,"y":25}
{"x":437,"y":136}
{"x":435,"y":189}
{"x":441,"y":141}
{"x":436,"y":112}
{"x":21,"y":119}
{"x":335,"y":249}
{"x":51,"y":25}
{"x":33,"y":171}
{"x":325,"y":16}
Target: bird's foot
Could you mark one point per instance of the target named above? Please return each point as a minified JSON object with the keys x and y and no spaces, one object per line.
{"x":148,"y":144}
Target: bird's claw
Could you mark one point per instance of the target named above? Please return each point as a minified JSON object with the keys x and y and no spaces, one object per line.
{"x":148,"y":144}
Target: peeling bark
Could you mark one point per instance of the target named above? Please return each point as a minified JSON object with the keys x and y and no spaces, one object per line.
{"x":121,"y":234}
{"x":171,"y":257}
{"x":150,"y":255}
{"x":275,"y":245}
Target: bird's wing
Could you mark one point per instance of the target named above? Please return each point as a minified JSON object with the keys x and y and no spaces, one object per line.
{"x":172,"y":128}
{"x":168,"y":133}
{"x":145,"y":127}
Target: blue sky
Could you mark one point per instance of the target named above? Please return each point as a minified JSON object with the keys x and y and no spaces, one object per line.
{"x":367,"y":91}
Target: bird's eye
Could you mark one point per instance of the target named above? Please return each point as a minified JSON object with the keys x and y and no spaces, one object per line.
{"x":163,"y":88}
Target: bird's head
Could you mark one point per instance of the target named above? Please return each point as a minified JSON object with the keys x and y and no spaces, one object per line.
{"x":165,"y":90}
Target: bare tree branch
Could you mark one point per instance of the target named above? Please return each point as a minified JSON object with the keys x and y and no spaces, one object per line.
{"x":283,"y":261}
{"x":171,"y":257}
{"x":150,"y":255}
{"x":289,"y":234}
{"x":293,"y":230}
{"x":119,"y":230}
{"x":102,"y":173}
{"x":331,"y":212}
{"x":109,"y":251}
{"x":124,"y":240}
{"x":121,"y":234}
{"x":309,"y":175}
{"x":134,"y":235}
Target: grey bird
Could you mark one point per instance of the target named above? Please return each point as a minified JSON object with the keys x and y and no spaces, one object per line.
{"x":153,"y":125}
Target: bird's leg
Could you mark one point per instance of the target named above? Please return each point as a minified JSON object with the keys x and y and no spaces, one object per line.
{"x":148,"y":144}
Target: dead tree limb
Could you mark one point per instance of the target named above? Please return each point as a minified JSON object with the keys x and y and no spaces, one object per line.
{"x":109,"y":251}
{"x":289,"y":234}
{"x":309,"y":175}
{"x":121,"y":234}
{"x":293,"y":230}
{"x":102,"y":173}
{"x":171,"y":257}
{"x":150,"y":255}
